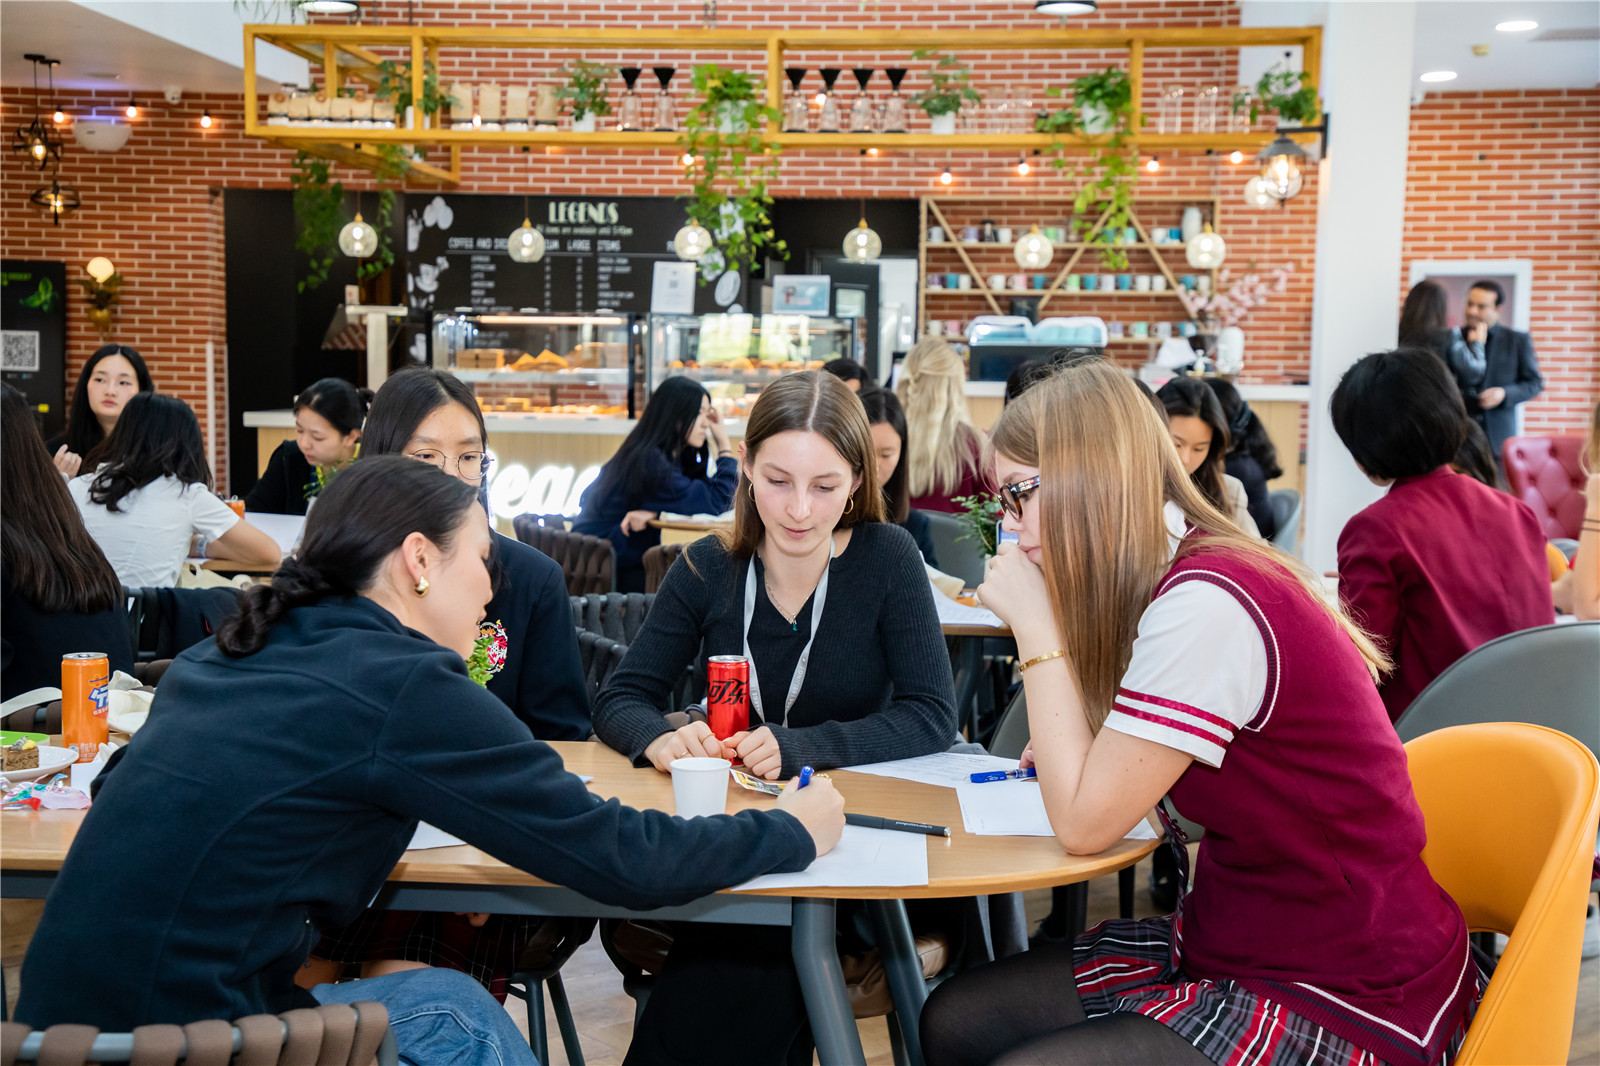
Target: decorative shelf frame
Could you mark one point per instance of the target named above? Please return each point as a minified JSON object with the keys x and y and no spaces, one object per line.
{"x":346,"y":53}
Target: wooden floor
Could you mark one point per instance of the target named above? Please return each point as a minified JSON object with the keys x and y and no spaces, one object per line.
{"x":604,"y":1014}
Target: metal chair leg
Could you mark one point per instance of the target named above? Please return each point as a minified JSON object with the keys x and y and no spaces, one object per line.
{"x":569,"y":1031}
{"x":538,"y":1036}
{"x":1125,"y":883}
{"x":897,"y":1040}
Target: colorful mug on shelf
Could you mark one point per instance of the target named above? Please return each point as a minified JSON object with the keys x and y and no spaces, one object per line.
{"x":952,"y":326}
{"x":969,"y":234}
{"x":1203,"y":283}
{"x":1130,"y":235}
{"x":1019,"y":281}
{"x":1056,"y":234}
{"x":1158,"y":283}
{"x":1187,"y":281}
{"x":1124,"y":282}
{"x":935,"y":234}
{"x":952,"y":281}
{"x":997,"y":282}
{"x":1158,"y":235}
{"x":963,"y":281}
{"x":1175,"y":235}
{"x":935,"y":281}
{"x":935,"y":328}
{"x":1187,"y":329}
{"x":1140,"y":329}
{"x":1163,"y":330}
{"x":1041,"y":281}
{"x":1141,"y":283}
{"x":1115,"y":329}
{"x":1088,"y":282}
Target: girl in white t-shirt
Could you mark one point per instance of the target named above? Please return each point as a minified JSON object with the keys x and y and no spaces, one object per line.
{"x":153,"y":495}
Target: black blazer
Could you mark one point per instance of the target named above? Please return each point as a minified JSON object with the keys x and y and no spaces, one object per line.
{"x":1513,"y":367}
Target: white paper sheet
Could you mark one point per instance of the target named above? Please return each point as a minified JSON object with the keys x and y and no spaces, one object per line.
{"x":1016,"y":809}
{"x":952,"y":613}
{"x":945,"y":768}
{"x":864,"y":858}
{"x":283,"y":528}
{"x":672,"y":516}
{"x":427,"y":836}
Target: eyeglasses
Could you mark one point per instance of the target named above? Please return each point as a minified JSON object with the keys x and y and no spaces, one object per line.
{"x":473,"y":466}
{"x":1015,"y":494}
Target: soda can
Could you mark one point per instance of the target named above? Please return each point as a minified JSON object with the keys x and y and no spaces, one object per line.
{"x":85,"y":697}
{"x":727,"y":695}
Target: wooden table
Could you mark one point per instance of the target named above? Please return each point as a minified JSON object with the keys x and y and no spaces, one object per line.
{"x":34,"y":845}
{"x":685,"y":531}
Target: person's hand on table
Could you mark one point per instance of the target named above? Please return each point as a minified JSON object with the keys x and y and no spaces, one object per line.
{"x":1491,"y":398}
{"x":1013,"y":588}
{"x":67,"y":462}
{"x":758,"y":750}
{"x":819,"y":807}
{"x":1027,"y":756}
{"x":637,"y":521}
{"x":693,"y":740}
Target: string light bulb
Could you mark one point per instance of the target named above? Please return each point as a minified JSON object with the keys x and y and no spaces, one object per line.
{"x":1236,"y":157}
{"x":132,"y":110}
{"x":205,"y":119}
{"x":59,"y":117}
{"x":945,"y":177}
{"x":687,"y":159}
{"x":1152,"y":164}
{"x":1023,"y":169}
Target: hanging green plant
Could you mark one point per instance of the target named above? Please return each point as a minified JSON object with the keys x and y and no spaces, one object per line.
{"x":950,"y":90}
{"x":1283,"y":92}
{"x":394,"y":81}
{"x":1102,"y":105}
{"x":318,"y":212}
{"x":730,"y":166}
{"x":585,"y":90}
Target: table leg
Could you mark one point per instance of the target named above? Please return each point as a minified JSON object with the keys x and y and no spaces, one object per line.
{"x":816,"y":963}
{"x":904,"y":969}
{"x":969,"y":671}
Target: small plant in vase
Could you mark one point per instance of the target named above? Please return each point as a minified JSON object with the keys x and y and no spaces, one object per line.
{"x":585,"y":93}
{"x":394,"y":82}
{"x":981,"y":513}
{"x":1102,"y":106}
{"x":1282,"y":92}
{"x":103,"y":298}
{"x":948,"y":94}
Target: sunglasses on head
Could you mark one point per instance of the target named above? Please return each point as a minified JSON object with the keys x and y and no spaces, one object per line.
{"x":1014,"y":494}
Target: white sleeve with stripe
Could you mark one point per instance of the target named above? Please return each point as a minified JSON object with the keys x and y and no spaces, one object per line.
{"x":1197,"y":675}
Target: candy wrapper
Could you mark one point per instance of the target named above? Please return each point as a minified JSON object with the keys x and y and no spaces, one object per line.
{"x":56,"y":795}
{"x":755,"y":784}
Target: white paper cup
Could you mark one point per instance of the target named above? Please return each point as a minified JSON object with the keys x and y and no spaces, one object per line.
{"x":700,"y":786}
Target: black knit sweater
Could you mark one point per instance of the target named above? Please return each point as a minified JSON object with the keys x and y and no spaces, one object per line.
{"x":878,"y":686}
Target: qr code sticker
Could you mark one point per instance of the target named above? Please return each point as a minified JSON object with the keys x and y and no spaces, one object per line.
{"x":19,"y":349}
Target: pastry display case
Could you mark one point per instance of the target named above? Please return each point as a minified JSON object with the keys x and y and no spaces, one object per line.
{"x":555,"y":366}
{"x":735,"y":355}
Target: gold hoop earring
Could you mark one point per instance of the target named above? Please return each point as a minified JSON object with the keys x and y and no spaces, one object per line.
{"x":752,"y":486}
{"x":421,"y":588}
{"x":849,"y":505}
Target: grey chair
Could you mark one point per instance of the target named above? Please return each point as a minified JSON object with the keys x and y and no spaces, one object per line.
{"x":1286,"y":508}
{"x":959,"y":555}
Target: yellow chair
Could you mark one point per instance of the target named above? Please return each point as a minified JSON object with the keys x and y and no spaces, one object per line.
{"x":1511,"y":812}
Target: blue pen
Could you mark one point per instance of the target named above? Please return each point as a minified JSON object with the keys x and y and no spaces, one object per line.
{"x":805,"y":776}
{"x":1002,"y":775}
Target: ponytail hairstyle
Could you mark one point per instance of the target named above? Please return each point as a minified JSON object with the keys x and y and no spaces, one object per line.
{"x":1247,"y":435}
{"x":341,"y":403}
{"x":156,"y":436}
{"x":1189,"y":397}
{"x":361,"y":517}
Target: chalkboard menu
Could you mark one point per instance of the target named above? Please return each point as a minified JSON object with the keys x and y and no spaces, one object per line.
{"x":600,"y":254}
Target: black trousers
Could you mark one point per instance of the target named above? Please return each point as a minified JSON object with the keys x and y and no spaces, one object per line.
{"x":1024,"y":1011}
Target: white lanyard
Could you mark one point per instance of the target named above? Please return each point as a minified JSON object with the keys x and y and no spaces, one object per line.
{"x":819,"y":598}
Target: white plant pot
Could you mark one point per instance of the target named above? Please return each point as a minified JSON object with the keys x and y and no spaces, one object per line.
{"x":1095,"y":120}
{"x":584,"y":124}
{"x":944,"y":125}
{"x":730,"y":119}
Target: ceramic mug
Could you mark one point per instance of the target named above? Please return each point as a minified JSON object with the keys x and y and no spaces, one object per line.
{"x":1158,"y":283}
{"x":1175,"y":235}
{"x":963,"y":281}
{"x":1115,"y":329}
{"x":1163,"y":330}
{"x":935,"y":281}
{"x":1187,"y":281}
{"x":1107,"y":282}
{"x":1124,"y":282}
{"x":1003,"y":235}
{"x":1141,"y":283}
{"x":969,"y":234}
{"x":1019,"y":281}
{"x":1088,"y":281}
{"x":1056,"y":233}
{"x":1203,"y":283}
{"x":952,"y":326}
{"x":952,"y":281}
{"x":1158,"y":235}
{"x":935,"y":328}
{"x":1187,"y":329}
{"x":1130,"y":235}
{"x":1140,"y":329}
{"x":935,"y":234}
{"x":997,"y":282}
{"x":1041,"y":280}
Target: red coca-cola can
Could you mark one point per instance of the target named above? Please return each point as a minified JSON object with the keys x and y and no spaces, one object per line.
{"x":727,"y":695}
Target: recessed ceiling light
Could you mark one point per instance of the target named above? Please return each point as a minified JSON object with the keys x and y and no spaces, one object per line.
{"x":1065,"y":7}
{"x":330,"y":7}
{"x":1517,"y":26}
{"x":1439,"y":75}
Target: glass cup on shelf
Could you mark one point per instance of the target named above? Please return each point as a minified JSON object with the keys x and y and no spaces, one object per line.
{"x":1206,"y":105}
{"x":828,"y":121}
{"x":630,"y":109}
{"x":666,"y":111}
{"x":894,"y":108}
{"x":864,"y":112}
{"x":1169,"y":119}
{"x":796,"y":109}
{"x":1238,"y":109}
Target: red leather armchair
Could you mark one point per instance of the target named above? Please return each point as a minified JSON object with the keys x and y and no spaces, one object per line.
{"x":1544,"y":474}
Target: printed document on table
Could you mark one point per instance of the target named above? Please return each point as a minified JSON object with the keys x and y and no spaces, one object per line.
{"x":945,"y":768}
{"x":863,"y":858}
{"x":1016,"y":809}
{"x":427,"y":836}
{"x":952,"y":613}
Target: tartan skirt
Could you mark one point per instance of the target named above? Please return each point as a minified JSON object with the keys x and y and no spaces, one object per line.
{"x":489,"y":952}
{"x":1126,"y":965}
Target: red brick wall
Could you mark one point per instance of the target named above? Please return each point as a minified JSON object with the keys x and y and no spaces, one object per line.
{"x":151,"y":208}
{"x":1511,"y":175}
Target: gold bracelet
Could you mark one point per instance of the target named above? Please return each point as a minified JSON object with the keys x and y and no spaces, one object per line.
{"x":1037,"y":659}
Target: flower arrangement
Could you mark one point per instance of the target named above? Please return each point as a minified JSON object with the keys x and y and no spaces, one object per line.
{"x":1235,"y":298}
{"x":488,"y":654}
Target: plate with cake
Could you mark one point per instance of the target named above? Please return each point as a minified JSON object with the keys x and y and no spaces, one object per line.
{"x":26,"y":760}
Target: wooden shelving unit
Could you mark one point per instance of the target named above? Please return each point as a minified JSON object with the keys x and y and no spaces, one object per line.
{"x":352,"y":54}
{"x":938,"y":211}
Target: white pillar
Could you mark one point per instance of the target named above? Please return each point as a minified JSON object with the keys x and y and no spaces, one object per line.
{"x":1361,"y":193}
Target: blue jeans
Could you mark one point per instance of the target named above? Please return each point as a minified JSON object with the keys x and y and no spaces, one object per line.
{"x":439,"y":1016}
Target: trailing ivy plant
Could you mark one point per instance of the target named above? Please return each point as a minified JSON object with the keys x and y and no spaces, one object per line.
{"x":318,"y":212}
{"x":730,"y":166}
{"x":585,"y":90}
{"x":950,"y":90}
{"x":1110,"y":175}
{"x":1283,"y":92}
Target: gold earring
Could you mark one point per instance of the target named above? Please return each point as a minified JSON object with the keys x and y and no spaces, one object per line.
{"x":752,"y":485}
{"x":849,"y":505}
{"x":421,"y":588}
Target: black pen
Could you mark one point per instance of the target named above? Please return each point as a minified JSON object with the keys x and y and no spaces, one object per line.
{"x":872,"y":821}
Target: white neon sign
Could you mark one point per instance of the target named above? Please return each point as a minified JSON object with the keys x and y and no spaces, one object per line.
{"x":548,"y":490}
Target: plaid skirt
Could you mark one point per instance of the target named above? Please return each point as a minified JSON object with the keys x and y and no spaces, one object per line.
{"x":1126,"y":965}
{"x":489,"y":953}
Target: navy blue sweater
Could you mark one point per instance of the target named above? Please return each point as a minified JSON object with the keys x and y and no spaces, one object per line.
{"x":667,"y":488}
{"x":542,"y":679}
{"x":269,"y":797}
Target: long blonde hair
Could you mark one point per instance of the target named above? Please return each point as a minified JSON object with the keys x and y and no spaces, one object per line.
{"x":939,"y":431}
{"x":1107,"y":466}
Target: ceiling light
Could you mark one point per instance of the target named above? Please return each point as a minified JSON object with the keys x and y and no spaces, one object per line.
{"x":132,"y":110}
{"x":1236,"y":157}
{"x":1152,"y":164}
{"x":1033,"y":250}
{"x":36,"y":142}
{"x":358,"y":239}
{"x":330,"y":7}
{"x":1517,"y":26}
{"x":205,"y":120}
{"x":862,"y":244}
{"x":57,"y":199}
{"x":1439,"y":75}
{"x":526,"y":244}
{"x":945,"y":177}
{"x":1065,"y":8}
{"x":692,"y":241}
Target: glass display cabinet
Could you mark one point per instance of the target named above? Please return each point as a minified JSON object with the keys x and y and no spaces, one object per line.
{"x":545,"y":365}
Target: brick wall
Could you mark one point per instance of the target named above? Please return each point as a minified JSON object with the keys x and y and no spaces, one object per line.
{"x":1511,"y":175}
{"x":155,"y":207}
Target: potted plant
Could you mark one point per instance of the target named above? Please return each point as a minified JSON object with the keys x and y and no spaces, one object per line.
{"x":585,"y":93}
{"x":394,"y":81}
{"x":950,"y":90}
{"x":103,"y":298}
{"x":729,"y":166}
{"x":1102,"y":103}
{"x":1283,"y":92}
{"x":981,"y":513}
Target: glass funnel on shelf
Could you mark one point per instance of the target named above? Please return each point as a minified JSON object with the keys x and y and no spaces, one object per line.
{"x":630,"y":109}
{"x":666,"y":110}
{"x":894,"y":108}
{"x":829,"y":120}
{"x":796,"y":109}
{"x":864,"y":112}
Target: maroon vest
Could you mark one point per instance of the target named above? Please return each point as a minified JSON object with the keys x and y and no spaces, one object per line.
{"x":1309,"y":886}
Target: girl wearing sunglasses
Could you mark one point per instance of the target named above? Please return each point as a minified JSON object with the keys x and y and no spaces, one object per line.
{"x":1201,"y":664}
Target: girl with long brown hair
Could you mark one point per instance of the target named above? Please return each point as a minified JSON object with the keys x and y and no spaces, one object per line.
{"x":1166,"y":653}
{"x":831,"y":606}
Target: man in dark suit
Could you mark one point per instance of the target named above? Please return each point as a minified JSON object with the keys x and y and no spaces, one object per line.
{"x":1494,"y":365}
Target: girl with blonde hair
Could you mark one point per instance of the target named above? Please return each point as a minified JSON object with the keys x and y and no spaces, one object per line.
{"x":1164,"y":652}
{"x":945,"y":449}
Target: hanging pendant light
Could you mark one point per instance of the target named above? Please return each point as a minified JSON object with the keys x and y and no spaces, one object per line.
{"x":1257,"y":195}
{"x":358,"y":239}
{"x":57,"y":199}
{"x":1206,"y":250}
{"x":1280,"y":168}
{"x":1033,"y":250}
{"x":36,"y":142}
{"x":692,"y":241}
{"x":862,"y":244}
{"x":526,"y":244}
